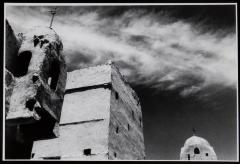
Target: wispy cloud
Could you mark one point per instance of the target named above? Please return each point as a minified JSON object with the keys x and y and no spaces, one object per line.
{"x":149,"y":50}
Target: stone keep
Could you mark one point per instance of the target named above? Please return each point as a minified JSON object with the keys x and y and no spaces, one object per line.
{"x":101,"y":119}
{"x":197,"y":148}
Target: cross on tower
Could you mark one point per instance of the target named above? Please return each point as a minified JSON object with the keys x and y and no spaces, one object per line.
{"x":194,"y":131}
{"x":53,"y":12}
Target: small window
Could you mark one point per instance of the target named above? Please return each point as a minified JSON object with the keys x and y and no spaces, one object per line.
{"x":87,"y":151}
{"x":116,"y":95}
{"x":140,"y":120}
{"x":56,"y":157}
{"x":188,"y":156}
{"x":115,"y":154}
{"x":196,"y":151}
{"x":117,"y":130}
{"x":206,"y":154}
{"x":32,"y":155}
{"x":128,"y":127}
{"x":133,"y":115}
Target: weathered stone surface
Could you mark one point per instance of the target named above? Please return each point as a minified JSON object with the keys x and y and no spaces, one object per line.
{"x":197,"y":148}
{"x":45,"y":148}
{"x":86,"y":105}
{"x":125,"y":130}
{"x":39,"y":61}
{"x":88,"y":77}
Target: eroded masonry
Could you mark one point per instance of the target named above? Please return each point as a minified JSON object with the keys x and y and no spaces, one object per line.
{"x":87,"y":114}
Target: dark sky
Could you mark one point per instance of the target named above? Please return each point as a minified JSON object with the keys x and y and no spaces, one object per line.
{"x":181,"y":61}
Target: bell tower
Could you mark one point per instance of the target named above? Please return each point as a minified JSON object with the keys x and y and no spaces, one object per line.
{"x":35,"y":79}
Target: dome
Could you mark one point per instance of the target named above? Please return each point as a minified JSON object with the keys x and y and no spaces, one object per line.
{"x":197,"y":148}
{"x":195,"y":140}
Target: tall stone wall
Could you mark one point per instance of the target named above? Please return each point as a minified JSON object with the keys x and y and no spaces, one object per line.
{"x":126,"y":129}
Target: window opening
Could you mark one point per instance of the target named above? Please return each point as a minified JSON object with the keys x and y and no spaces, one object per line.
{"x":87,"y":151}
{"x":117,"y":129}
{"x":116,"y":95}
{"x":196,"y":151}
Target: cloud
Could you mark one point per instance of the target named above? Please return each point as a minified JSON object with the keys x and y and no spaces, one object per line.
{"x":148,"y":49}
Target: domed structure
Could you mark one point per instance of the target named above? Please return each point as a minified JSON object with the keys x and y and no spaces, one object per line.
{"x":197,"y":148}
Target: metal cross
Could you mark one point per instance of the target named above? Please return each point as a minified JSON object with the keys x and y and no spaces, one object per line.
{"x":53,"y":12}
{"x":194,"y":131}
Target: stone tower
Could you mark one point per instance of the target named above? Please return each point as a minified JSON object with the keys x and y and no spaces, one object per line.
{"x":101,"y":119}
{"x":197,"y":148}
{"x":87,"y":114}
{"x":35,"y":79}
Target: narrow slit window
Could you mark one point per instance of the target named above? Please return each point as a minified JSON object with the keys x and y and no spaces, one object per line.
{"x":56,"y":157}
{"x":206,"y":154}
{"x":116,"y":95}
{"x":133,"y":115}
{"x":188,"y":156}
{"x":87,"y":151}
{"x":128,"y":126}
{"x":115,"y":154}
{"x":140,"y":120}
{"x":117,"y":130}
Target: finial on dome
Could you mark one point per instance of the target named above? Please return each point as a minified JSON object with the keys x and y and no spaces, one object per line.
{"x":194,"y":131}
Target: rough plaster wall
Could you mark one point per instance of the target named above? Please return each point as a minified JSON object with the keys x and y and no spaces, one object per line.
{"x":40,"y":57}
{"x":89,"y":135}
{"x":85,"y":115}
{"x":88,"y":77}
{"x":45,"y":148}
{"x":127,"y":144}
{"x":86,"y":105}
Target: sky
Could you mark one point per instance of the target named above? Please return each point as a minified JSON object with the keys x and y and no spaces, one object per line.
{"x":181,"y":61}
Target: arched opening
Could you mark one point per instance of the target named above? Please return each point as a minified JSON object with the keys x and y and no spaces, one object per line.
{"x":54,"y":74}
{"x":23,"y":60}
{"x":196,"y":151}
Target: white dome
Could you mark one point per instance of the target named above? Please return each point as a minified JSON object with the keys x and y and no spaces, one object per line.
{"x":197,"y":148}
{"x":195,"y":140}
